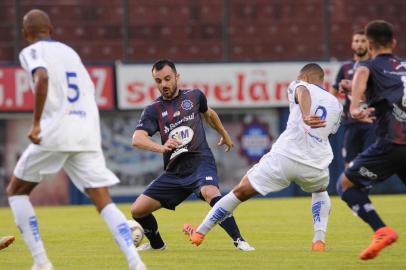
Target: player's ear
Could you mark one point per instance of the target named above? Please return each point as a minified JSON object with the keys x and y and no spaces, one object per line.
{"x":51,"y":30}
{"x":177,"y":76}
{"x":394,"y":43}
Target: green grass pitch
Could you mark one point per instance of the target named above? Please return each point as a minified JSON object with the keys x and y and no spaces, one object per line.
{"x":280,"y":229}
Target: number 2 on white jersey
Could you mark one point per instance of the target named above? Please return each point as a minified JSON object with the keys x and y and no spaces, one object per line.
{"x":70,"y":76}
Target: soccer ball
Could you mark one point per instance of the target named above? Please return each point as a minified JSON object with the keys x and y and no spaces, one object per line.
{"x":137,"y":232}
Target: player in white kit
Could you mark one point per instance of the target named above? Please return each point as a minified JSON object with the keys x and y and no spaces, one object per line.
{"x":65,"y":133}
{"x":301,"y":154}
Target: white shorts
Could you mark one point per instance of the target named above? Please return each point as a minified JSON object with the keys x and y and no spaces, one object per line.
{"x":85,"y":169}
{"x":275,"y":172}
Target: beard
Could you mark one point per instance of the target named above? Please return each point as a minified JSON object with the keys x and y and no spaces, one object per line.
{"x":361,"y":53}
{"x":170,"y":93}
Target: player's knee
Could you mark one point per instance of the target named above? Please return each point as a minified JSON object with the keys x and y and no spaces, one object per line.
{"x":343,"y":184}
{"x":18,"y":187}
{"x":137,"y":211}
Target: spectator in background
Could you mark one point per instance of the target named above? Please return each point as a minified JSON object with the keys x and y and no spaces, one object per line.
{"x":358,"y":135}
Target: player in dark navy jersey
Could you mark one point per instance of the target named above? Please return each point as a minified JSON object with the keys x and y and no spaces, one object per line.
{"x":383,"y":81}
{"x":358,"y":136}
{"x":189,"y":165}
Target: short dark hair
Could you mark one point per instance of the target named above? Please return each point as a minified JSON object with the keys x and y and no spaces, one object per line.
{"x":358,"y":32}
{"x":313,"y":68}
{"x":160,"y":64}
{"x":380,"y":32}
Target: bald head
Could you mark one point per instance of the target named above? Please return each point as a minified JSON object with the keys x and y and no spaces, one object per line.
{"x":36,"y":25}
{"x":312,"y":73}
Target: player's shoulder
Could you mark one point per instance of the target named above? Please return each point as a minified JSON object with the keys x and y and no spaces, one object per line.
{"x":295,"y":84}
{"x":194,"y":91}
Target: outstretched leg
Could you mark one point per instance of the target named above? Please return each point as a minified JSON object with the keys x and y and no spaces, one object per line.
{"x":223,"y":209}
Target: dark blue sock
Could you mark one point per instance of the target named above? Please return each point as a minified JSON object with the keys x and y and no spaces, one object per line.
{"x":359,"y":202}
{"x":229,"y":224}
{"x":151,"y":230}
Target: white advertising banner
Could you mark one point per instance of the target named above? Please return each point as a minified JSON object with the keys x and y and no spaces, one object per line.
{"x":226,"y":85}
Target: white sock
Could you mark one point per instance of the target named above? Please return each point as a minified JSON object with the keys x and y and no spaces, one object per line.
{"x":24,"y":217}
{"x":220,"y":211}
{"x":321,"y":206}
{"x":117,"y":223}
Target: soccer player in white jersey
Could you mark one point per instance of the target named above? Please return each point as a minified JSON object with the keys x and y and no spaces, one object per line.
{"x":65,"y":133}
{"x":301,"y":154}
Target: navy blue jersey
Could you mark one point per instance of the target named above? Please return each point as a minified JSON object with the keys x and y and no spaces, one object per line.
{"x":181,"y":119}
{"x":386,"y":91}
{"x":346,"y":72}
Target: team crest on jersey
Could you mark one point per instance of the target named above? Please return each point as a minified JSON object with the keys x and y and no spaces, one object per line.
{"x":186,"y":104}
{"x":177,"y":113}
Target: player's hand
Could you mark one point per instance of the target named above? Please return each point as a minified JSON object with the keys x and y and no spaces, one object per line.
{"x":363,"y":115}
{"x":314,"y":121}
{"x":226,"y":140}
{"x":33,"y":134}
{"x":345,"y":86}
{"x":170,"y":145}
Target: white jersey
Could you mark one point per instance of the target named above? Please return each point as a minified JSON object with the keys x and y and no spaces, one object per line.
{"x":70,"y":119}
{"x":302,"y":143}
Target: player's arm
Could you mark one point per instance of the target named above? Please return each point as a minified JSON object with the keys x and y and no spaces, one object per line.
{"x":143,"y":141}
{"x":335,"y":87}
{"x":214,"y":121}
{"x":359,"y":85}
{"x":303,"y":98}
{"x":40,"y":77}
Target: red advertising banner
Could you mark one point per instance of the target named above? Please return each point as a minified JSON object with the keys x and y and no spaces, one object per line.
{"x":16,"y":94}
{"x":226,"y":85}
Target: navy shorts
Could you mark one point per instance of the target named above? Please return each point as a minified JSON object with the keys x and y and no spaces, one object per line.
{"x":171,"y":188}
{"x":380,"y":161}
{"x":357,"y":138}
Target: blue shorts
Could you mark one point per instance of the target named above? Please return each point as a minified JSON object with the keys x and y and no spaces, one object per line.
{"x":357,"y":138}
{"x":172,"y":188}
{"x":380,"y":161}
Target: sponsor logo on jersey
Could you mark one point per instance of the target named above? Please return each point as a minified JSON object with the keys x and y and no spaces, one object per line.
{"x":367,"y":173}
{"x":166,"y":129}
{"x":186,"y":104}
{"x":165,"y":113}
{"x":177,"y":113}
{"x":187,"y":118}
{"x":398,"y":113}
{"x":79,"y":113}
{"x":178,"y":151}
{"x":182,"y":134}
